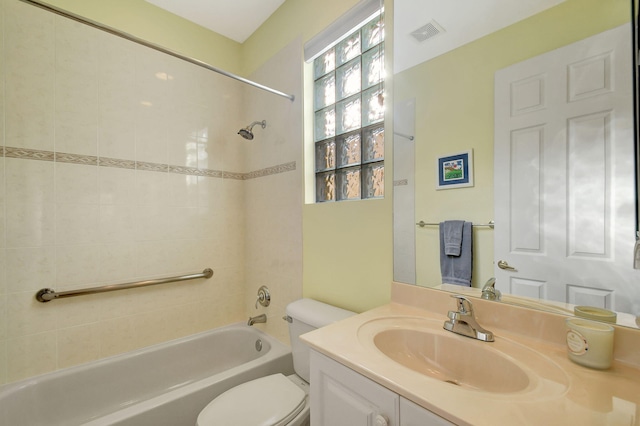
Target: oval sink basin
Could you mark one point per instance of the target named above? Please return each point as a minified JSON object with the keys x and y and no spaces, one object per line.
{"x":449,"y":358}
{"x":424,"y":347}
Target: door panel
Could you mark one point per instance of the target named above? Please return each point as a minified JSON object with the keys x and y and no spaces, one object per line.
{"x":563,"y":170}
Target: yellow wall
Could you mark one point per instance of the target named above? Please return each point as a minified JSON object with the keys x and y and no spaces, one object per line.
{"x":348,"y":252}
{"x":156,"y":25}
{"x":347,"y":246}
{"x":295,"y":18}
{"x":454,"y":112}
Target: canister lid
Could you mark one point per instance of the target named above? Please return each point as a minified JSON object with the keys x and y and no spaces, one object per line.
{"x":597,"y":314}
{"x":316,"y":314}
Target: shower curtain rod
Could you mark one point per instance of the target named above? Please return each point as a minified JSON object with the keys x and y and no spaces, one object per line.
{"x":150,"y":45}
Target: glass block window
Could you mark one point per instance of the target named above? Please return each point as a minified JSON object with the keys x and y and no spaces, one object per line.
{"x":349,"y":116}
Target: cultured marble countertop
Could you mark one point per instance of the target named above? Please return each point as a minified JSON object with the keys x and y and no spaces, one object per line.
{"x":577,"y":395}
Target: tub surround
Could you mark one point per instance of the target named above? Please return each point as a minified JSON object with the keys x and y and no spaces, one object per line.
{"x":119,"y":164}
{"x":591,"y":396}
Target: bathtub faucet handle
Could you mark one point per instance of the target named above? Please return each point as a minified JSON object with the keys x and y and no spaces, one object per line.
{"x":264,"y":297}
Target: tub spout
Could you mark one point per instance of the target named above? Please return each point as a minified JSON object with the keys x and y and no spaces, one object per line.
{"x":259,"y":318}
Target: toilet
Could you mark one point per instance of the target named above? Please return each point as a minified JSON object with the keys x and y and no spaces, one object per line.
{"x":276,"y":400}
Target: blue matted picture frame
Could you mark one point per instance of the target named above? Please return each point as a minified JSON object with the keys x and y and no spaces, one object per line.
{"x":455,"y":170}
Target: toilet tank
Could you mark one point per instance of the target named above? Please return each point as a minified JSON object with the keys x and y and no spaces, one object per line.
{"x":307,"y":315}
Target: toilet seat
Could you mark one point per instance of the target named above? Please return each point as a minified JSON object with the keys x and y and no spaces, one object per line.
{"x":268,"y":401}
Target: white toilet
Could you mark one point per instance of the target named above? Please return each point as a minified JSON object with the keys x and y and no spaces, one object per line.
{"x":276,"y":400}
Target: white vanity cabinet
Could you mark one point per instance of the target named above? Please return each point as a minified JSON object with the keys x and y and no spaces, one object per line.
{"x":411,"y":414}
{"x":343,"y":397}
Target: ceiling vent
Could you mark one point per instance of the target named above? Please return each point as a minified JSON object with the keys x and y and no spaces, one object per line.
{"x":427,"y":31}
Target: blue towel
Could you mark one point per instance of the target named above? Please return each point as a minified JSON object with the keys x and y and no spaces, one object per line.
{"x":457,"y":269}
{"x":452,"y":237}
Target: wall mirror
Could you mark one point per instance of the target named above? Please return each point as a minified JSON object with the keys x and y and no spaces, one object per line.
{"x":541,"y":93}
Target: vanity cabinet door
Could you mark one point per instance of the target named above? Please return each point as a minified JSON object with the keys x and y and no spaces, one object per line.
{"x":342,"y":397}
{"x":412,"y":414}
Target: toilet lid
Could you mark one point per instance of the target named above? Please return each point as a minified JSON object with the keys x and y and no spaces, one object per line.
{"x":268,"y":401}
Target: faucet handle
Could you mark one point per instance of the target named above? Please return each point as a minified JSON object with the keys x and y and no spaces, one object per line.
{"x":464,"y":305}
{"x":264,"y":297}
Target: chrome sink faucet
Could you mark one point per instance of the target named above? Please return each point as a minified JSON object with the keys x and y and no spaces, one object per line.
{"x":489,"y":291}
{"x":463,"y":321}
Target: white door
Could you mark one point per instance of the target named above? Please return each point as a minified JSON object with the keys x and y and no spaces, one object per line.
{"x":564,"y":167}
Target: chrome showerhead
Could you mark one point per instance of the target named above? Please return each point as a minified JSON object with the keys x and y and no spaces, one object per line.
{"x":247,"y":133}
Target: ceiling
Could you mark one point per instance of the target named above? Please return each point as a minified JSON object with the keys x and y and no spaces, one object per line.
{"x":460,"y":21}
{"x":235,"y":19}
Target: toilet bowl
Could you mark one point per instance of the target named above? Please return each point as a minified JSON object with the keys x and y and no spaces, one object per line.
{"x":276,"y":400}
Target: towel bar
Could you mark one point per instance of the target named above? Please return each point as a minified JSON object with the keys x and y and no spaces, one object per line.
{"x":422,"y":224}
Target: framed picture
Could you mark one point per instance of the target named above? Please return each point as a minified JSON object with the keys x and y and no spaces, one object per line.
{"x":455,"y":170}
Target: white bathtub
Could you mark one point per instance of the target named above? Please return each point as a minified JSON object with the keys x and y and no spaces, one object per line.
{"x":166,"y":384}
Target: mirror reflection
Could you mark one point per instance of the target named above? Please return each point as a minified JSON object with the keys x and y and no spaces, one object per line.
{"x":540,"y":96}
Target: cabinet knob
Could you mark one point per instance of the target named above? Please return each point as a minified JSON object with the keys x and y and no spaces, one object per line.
{"x":381,"y":420}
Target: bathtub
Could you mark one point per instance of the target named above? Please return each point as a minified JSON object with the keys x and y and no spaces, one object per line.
{"x":166,"y":384}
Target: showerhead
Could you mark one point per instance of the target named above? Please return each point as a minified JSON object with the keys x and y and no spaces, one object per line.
{"x":247,"y":133}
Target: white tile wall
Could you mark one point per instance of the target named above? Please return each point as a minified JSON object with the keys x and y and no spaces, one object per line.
{"x":273,"y":203}
{"x":76,"y":88}
{"x":71,"y":89}
{"x":2,"y":114}
{"x":29,"y":83}
{"x":30,"y":355}
{"x":30,"y":268}
{"x":29,"y":181}
{"x":117,"y":122}
{"x":31,"y":225}
{"x":3,"y":267}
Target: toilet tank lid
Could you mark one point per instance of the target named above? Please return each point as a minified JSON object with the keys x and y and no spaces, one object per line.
{"x":316,"y":314}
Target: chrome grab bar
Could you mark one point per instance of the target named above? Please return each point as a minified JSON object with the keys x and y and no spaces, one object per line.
{"x":48,"y":294}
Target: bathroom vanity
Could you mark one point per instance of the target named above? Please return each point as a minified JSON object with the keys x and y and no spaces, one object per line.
{"x":396,"y":365}
{"x":341,"y":396}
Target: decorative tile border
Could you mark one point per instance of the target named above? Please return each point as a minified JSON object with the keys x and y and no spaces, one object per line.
{"x":212,"y":173}
{"x":281,"y":168}
{"x":115,"y":162}
{"x":185,"y":170}
{"x":151,"y":167}
{"x":87,"y":160}
{"x":401,"y":182}
{"x":233,"y":175}
{"x":90,"y":160}
{"x":28,"y":154}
